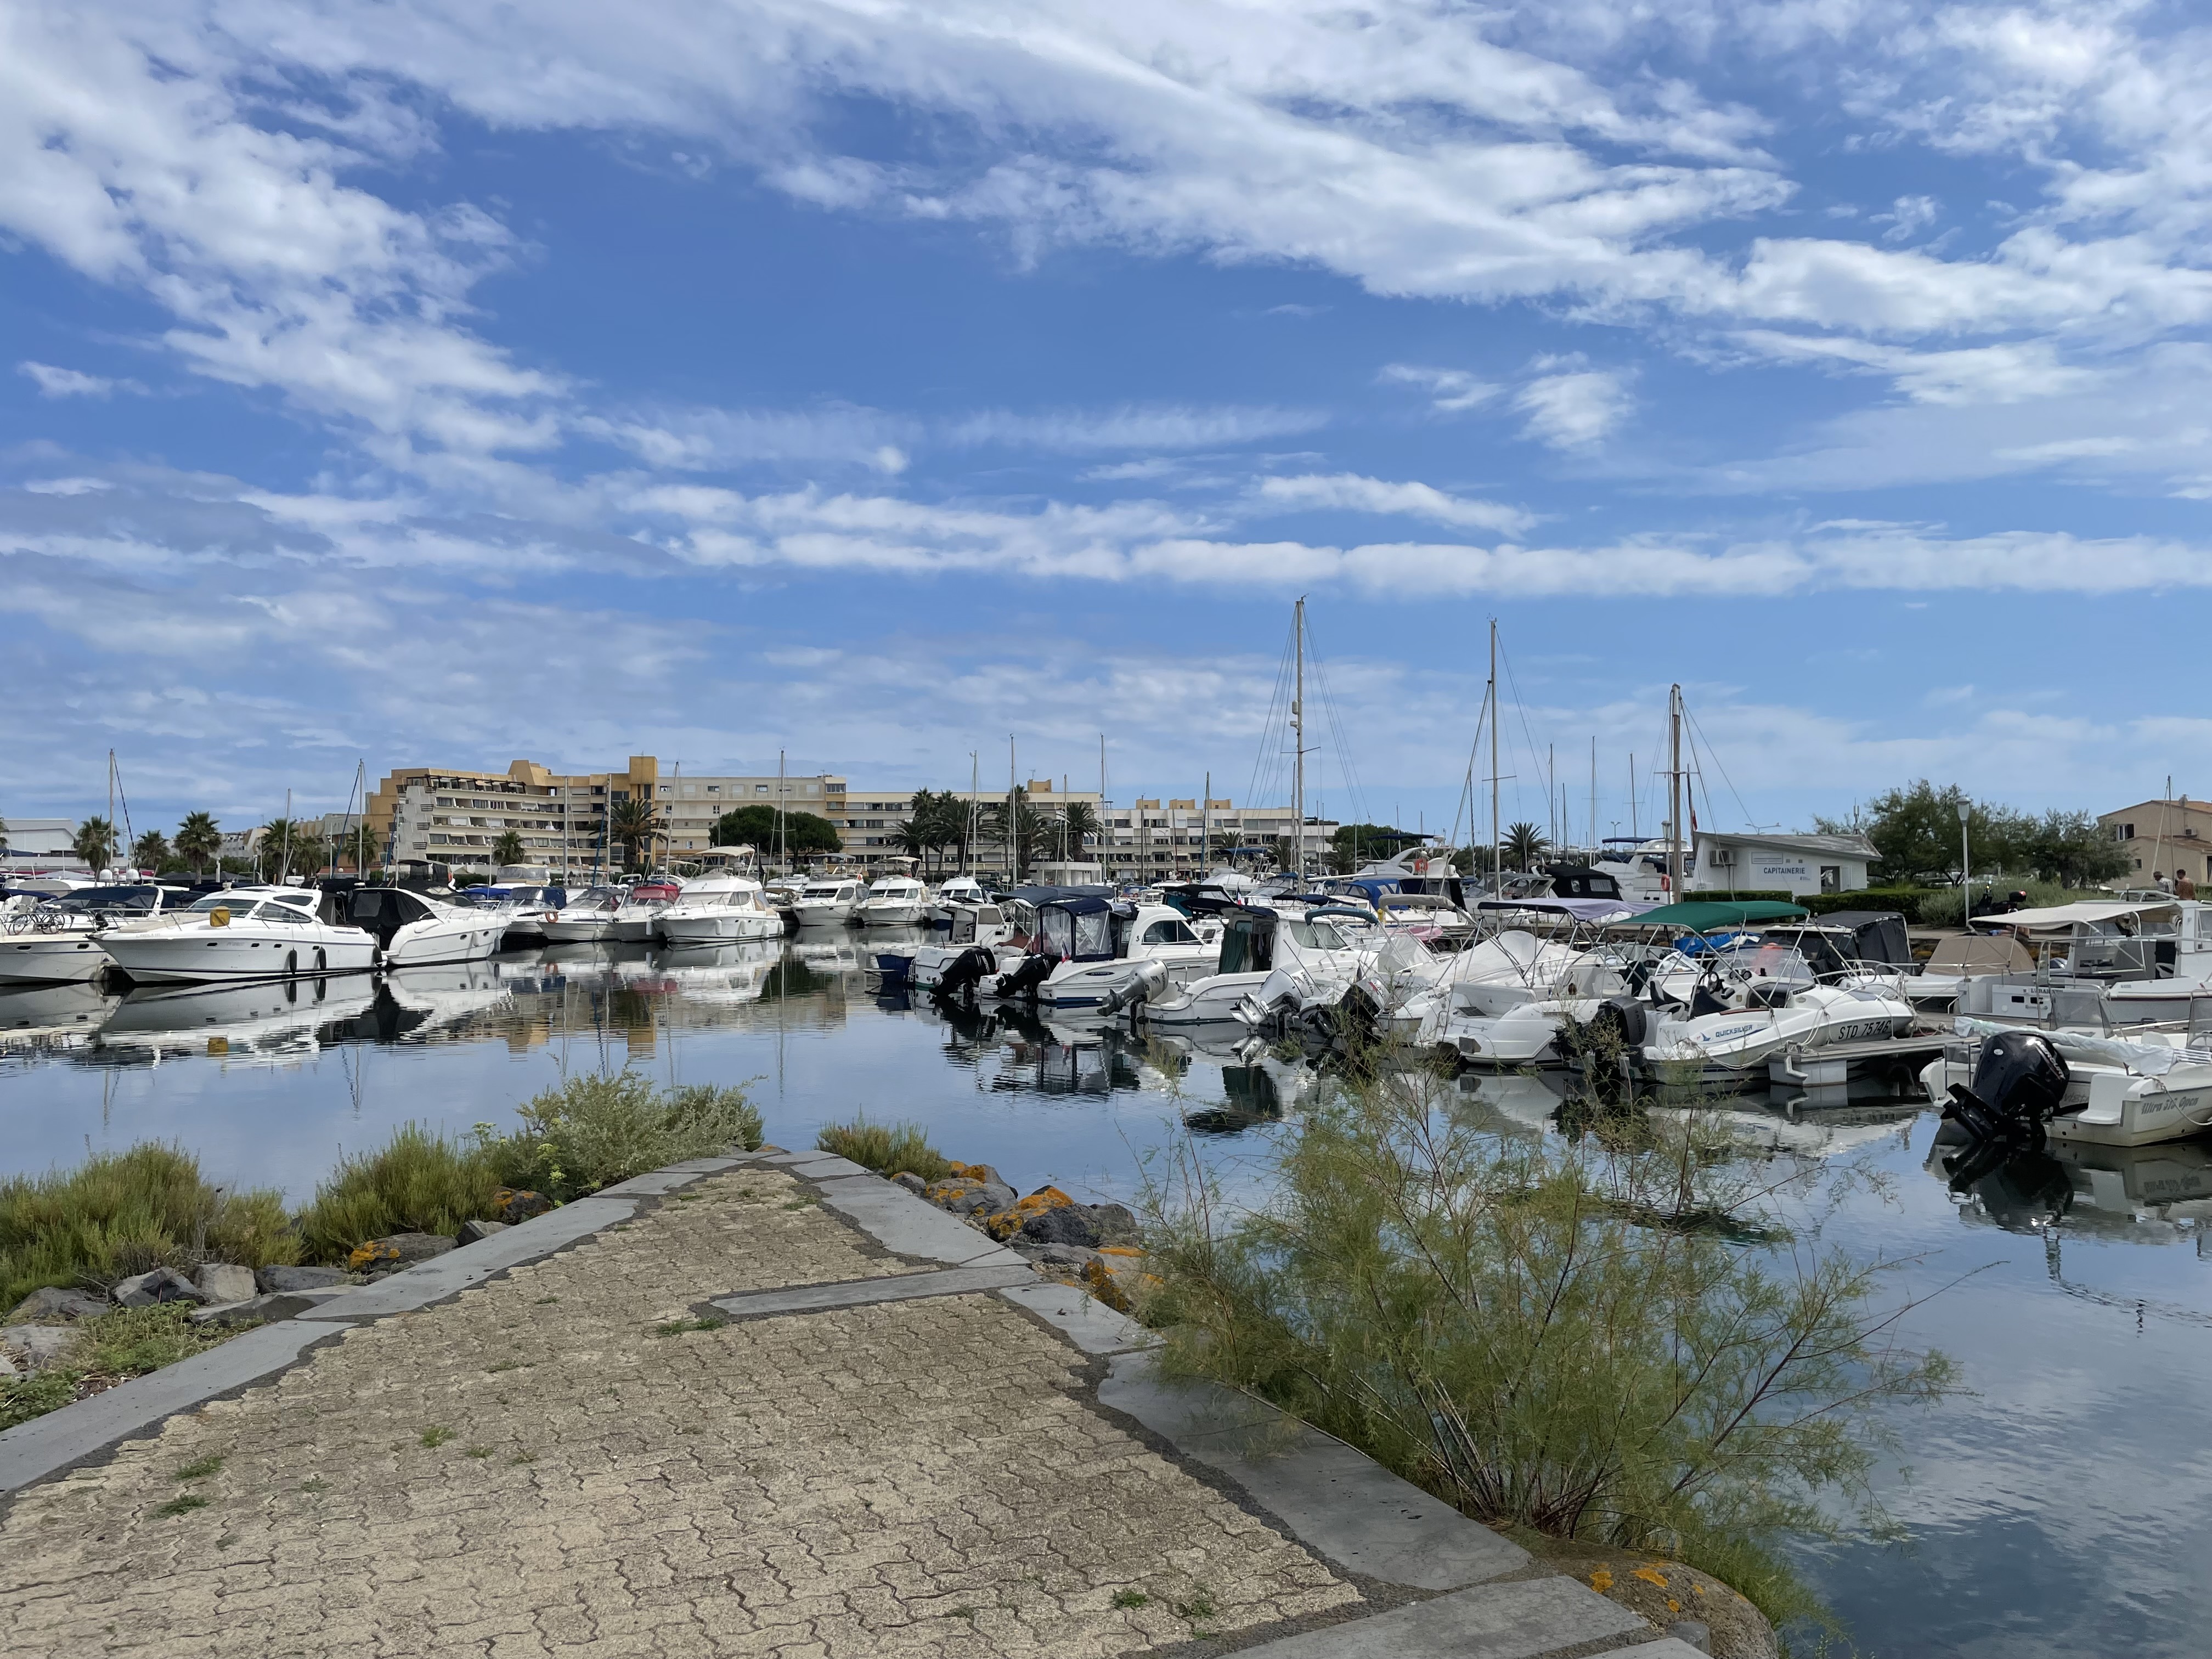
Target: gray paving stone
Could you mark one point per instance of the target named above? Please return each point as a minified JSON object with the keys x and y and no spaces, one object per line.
{"x":903,"y":1224}
{"x":30,"y":1451}
{"x":822,"y":1166}
{"x":1498,"y":1621}
{"x":1082,"y":1320}
{"x":471,"y":1264}
{"x":1334,"y":1500}
{"x":865,"y":1292}
{"x":1669,"y":1647}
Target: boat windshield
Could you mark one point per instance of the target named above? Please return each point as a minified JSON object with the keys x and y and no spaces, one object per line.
{"x":86,"y":899}
{"x":238,"y":903}
{"x":1316,"y":935}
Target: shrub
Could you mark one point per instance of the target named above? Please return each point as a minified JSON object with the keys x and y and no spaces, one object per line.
{"x":593,"y":1131}
{"x":120,"y":1213}
{"x":418,"y":1181}
{"x":886,"y":1148}
{"x":125,"y":1342}
{"x":1552,"y":1332}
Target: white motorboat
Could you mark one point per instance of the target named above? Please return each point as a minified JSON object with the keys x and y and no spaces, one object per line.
{"x":967,"y":925}
{"x":720,"y":910}
{"x":1502,"y":1000}
{"x":956,"y":890}
{"x":1775,"y":1018}
{"x":894,"y":901}
{"x":241,"y":933}
{"x":2133,"y":1090}
{"x":1961,"y":957}
{"x":410,"y":930}
{"x":56,"y":940}
{"x":524,"y":910}
{"x":638,"y":919}
{"x":586,"y":918}
{"x":829,"y":900}
{"x":1315,"y":953}
{"x":1136,"y":938}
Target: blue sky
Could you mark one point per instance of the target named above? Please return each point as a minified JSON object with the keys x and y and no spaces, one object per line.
{"x":416,"y":384}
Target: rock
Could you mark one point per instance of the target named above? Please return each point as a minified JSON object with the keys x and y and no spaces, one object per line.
{"x":913,"y":1183}
{"x":283,"y":1304}
{"x":964,"y":1195}
{"x":397,"y":1252}
{"x":1694,"y":1632}
{"x":162,"y":1284}
{"x":512,"y":1205}
{"x":1064,"y":1224}
{"x":474,"y":1232}
{"x":275,"y":1279}
{"x":985,"y":1174}
{"x":222,"y":1281}
{"x":1016,"y":1216}
{"x":1667,"y":1593}
{"x":1115,"y":1223}
{"x":37,"y":1347}
{"x":1056,"y":1255}
{"x":1116,"y":1276}
{"x":51,"y":1302}
{"x":7,"y":1366}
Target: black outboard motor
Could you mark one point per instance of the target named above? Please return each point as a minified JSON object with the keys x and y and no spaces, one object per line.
{"x":1032,"y":972}
{"x":965,"y":972}
{"x":2020,"y":1083}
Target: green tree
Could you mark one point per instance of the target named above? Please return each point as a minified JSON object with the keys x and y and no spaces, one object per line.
{"x":754,"y":826}
{"x":2071,"y":849}
{"x":198,"y":841}
{"x":1914,"y":830}
{"x":509,"y":848}
{"x":1525,"y":846}
{"x":1355,"y":844}
{"x":1030,"y":833}
{"x":636,"y":824}
{"x":1078,"y":824}
{"x":288,"y":847}
{"x":943,"y":819}
{"x":150,"y":851}
{"x":95,"y":843}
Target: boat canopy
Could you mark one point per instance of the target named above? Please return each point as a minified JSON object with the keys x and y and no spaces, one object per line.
{"x":1077,"y":929}
{"x":2059,"y":918}
{"x":1702,"y":915}
{"x":1583,"y":909}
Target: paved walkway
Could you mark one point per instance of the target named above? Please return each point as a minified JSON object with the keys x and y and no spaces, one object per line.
{"x":579,"y":1456}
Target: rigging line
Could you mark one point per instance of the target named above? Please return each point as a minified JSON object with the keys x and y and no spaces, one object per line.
{"x":1358,"y":796}
{"x":125,"y":800}
{"x":1728,"y":781}
{"x":1277,"y":704}
{"x":1536,"y":763}
{"x":1466,"y":802}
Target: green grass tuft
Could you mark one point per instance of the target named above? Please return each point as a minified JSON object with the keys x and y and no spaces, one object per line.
{"x":184,"y":1505}
{"x":120,"y":1213}
{"x":1130,"y":1598}
{"x":678,"y":1327}
{"x":437,"y":1435}
{"x":418,"y":1181}
{"x":199,"y":1468}
{"x":885,"y":1148}
{"x":593,"y":1131}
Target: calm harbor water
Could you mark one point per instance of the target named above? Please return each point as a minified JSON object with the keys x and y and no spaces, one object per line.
{"x":2054,"y":1509}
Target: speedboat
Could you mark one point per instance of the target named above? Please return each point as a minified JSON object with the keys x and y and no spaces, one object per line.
{"x":1774,"y":1018}
{"x":829,"y":899}
{"x":410,"y":930}
{"x":1137,"y":938}
{"x":525,"y":910}
{"x":241,"y":932}
{"x":638,"y":919}
{"x":587,"y":917}
{"x":894,"y":901}
{"x":1257,"y":943}
{"x":987,"y":927}
{"x":718,"y":910}
{"x":955,"y":891}
{"x":47,"y":941}
{"x":2135,"y":1090}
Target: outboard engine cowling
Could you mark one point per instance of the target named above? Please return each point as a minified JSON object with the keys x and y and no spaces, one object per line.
{"x":1023,"y":981}
{"x":2020,"y":1085}
{"x":1144,"y":984}
{"x":965,"y":971}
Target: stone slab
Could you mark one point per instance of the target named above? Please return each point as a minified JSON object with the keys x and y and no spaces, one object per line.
{"x":654,"y":1183}
{"x":905,"y":1225}
{"x":471,"y":1264}
{"x":1338,"y":1502}
{"x":865,"y":1292}
{"x":1084,"y":1320}
{"x":31,"y":1451}
{"x":821,"y":1166}
{"x":714,"y":1165}
{"x":1667,"y":1648}
{"x":1521,"y":1621}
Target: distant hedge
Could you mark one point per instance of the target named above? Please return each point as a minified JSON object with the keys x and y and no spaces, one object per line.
{"x":1905,"y":901}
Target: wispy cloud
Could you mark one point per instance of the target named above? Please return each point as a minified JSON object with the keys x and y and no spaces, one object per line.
{"x":54,"y":382}
{"x":1450,"y":390}
{"x":1351,"y":493}
{"x":1571,"y":406}
{"x":1170,"y":426}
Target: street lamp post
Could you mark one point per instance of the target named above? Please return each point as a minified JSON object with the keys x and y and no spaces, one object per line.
{"x":1966,"y":870}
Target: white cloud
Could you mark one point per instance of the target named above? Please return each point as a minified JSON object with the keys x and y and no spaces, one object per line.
{"x":1451,"y":389}
{"x":1134,"y":427}
{"x":1350,"y":492}
{"x":1574,"y":407}
{"x":54,"y":382}
{"x":1978,"y":374}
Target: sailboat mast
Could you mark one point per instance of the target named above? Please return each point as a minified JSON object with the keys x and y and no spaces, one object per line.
{"x":284,"y":853}
{"x":1014,"y":826}
{"x":1206,"y":825}
{"x":1593,"y":816}
{"x":782,"y":790}
{"x":1496,"y":846}
{"x":1298,"y":736}
{"x":1674,"y":792}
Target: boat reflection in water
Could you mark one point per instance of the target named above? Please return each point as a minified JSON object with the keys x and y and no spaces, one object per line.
{"x":267,"y":1019}
{"x":53,"y":1016}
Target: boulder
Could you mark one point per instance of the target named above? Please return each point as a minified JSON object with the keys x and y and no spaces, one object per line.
{"x":7,"y":1366}
{"x":1006,"y":1224}
{"x":397,"y":1252}
{"x":1669,"y":1593}
{"x":511,"y":1204}
{"x":1056,"y":1255}
{"x":913,"y":1183}
{"x":222,"y":1281}
{"x":1694,"y":1632}
{"x":985,"y":1174}
{"x":965,"y":1195}
{"x":1064,"y":1224}
{"x":1116,"y":1224}
{"x":37,"y":1347}
{"x":51,"y":1302}
{"x":473,"y":1232}
{"x":273,"y":1280}
{"x":1117,"y":1277}
{"x":162,"y":1284}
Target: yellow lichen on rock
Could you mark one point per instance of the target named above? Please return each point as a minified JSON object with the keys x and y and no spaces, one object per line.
{"x":1600,"y":1581}
{"x":1116,"y":1280}
{"x":371,"y":1254}
{"x":1650,"y":1576}
{"x":1007,"y":1223}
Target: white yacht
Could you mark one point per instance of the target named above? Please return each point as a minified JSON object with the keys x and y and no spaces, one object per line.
{"x":720,"y":910}
{"x":2132,"y":1091}
{"x":956,"y":890}
{"x":241,"y":933}
{"x":1255,"y":944}
{"x":1148,"y":934}
{"x":966,"y":926}
{"x":587,"y":917}
{"x":410,"y":930}
{"x":639,"y":917}
{"x":54,"y":941}
{"x":829,"y":899}
{"x":894,"y":901}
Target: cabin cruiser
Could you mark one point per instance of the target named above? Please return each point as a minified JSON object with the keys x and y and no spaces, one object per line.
{"x":410,"y":930}
{"x":1098,"y":963}
{"x":967,"y":928}
{"x":2101,"y":963}
{"x":241,"y":933}
{"x":1313,"y":951}
{"x":46,"y":940}
{"x":718,"y":910}
{"x":2132,"y":1091}
{"x":956,"y":890}
{"x":829,"y":899}
{"x":588,"y":916}
{"x":1502,"y":1000}
{"x":526,"y":909}
{"x":638,"y":918}
{"x":1961,"y":957}
{"x":1732,"y":1030}
{"x":894,"y":901}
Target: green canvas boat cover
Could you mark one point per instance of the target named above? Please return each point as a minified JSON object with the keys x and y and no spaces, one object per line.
{"x":1702,"y":915}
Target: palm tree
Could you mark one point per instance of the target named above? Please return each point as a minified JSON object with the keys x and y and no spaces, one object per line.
{"x":95,"y":843}
{"x":509,"y":848}
{"x":1524,"y":845}
{"x":1078,"y":822}
{"x":289,"y":847}
{"x":637,"y":824}
{"x":150,"y":851}
{"x":198,"y":839}
{"x":1029,"y":829}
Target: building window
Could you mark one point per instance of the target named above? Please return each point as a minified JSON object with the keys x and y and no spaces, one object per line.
{"x":760,"y":789}
{"x":1831,"y":878}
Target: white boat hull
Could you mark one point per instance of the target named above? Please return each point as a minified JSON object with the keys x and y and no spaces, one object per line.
{"x":1212,"y":1001}
{"x":893,"y":914}
{"x":207,"y":956}
{"x":50,"y":958}
{"x":724,"y":927}
{"x":579,"y":931}
{"x":448,"y":939}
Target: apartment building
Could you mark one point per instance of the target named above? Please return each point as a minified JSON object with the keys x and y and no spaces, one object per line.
{"x":1152,"y":840}
{"x":2163,"y":837}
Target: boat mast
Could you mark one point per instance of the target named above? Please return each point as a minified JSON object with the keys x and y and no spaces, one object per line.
{"x":1593,"y":816}
{"x":1633,"y":832}
{"x":975,"y":808}
{"x":284,"y":847}
{"x":1205,"y":826}
{"x":1013,"y":822}
{"x":1299,"y":737}
{"x":110,"y":799}
{"x":1496,"y":846}
{"x":782,"y":790}
{"x":1674,"y":792}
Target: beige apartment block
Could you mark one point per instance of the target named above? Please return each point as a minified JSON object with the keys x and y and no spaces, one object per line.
{"x":2162,"y":837}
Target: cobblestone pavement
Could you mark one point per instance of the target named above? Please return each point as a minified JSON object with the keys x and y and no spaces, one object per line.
{"x":544,"y":1466}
